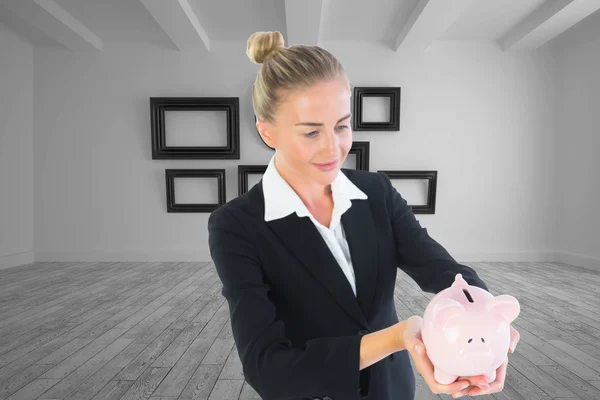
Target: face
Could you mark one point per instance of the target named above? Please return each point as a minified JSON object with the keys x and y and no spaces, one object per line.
{"x":312,"y":127}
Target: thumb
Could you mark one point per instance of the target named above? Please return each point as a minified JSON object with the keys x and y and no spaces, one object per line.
{"x":419,"y":347}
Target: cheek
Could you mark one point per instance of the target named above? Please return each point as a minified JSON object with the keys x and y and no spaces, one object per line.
{"x":301,"y":152}
{"x":346,"y":143}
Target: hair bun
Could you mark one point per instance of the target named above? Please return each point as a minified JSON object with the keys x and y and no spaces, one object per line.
{"x":262,"y":44}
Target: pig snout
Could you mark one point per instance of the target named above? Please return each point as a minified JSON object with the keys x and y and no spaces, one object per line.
{"x":478,"y":344}
{"x":481,"y":358}
{"x":478,"y":352}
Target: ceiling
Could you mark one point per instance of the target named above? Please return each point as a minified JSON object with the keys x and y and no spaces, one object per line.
{"x":89,"y":25}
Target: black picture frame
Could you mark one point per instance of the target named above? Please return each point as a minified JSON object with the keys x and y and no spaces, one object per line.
{"x":244,"y":171}
{"x":158,"y":107}
{"x":362,"y":151}
{"x":431,"y":176}
{"x":171,"y":174}
{"x":360,"y":93}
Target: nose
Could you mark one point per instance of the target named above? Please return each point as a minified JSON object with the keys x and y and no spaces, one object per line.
{"x":329,"y":142}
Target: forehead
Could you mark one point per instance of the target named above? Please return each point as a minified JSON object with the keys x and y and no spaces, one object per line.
{"x":320,"y":103}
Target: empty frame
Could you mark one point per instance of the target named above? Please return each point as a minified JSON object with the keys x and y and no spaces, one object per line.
{"x":361,"y":152}
{"x":430,"y":178}
{"x":244,"y":173}
{"x":173,"y":206}
{"x":390,"y":110}
{"x":229,"y":105}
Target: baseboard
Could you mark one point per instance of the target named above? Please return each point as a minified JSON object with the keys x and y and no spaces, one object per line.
{"x":523,"y":256}
{"x":13,"y":260}
{"x":579,"y":260}
{"x":135,"y":255}
{"x":8,"y":261}
{"x":565,"y":257}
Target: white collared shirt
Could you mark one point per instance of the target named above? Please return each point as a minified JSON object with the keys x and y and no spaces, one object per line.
{"x":281,"y":200}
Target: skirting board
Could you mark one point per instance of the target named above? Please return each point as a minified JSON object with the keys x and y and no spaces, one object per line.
{"x":591,"y":263}
{"x":9,"y":261}
{"x":12,"y":260}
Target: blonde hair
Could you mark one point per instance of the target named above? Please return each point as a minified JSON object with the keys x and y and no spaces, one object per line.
{"x":285,"y":69}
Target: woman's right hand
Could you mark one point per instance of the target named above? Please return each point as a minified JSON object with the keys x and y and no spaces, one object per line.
{"x":412,"y":340}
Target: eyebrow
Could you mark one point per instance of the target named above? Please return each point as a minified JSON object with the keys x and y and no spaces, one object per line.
{"x":319,"y":124}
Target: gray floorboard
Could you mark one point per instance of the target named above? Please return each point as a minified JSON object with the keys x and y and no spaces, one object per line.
{"x":79,"y":331}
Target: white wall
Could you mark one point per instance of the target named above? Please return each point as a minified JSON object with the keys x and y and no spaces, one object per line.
{"x":578,"y":133}
{"x":16,"y":150}
{"x":483,"y":118}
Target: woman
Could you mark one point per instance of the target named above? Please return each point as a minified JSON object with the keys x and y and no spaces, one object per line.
{"x":308,"y":256}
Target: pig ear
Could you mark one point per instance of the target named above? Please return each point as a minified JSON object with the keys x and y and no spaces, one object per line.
{"x":506,"y":306}
{"x":459,"y":281}
{"x":445,"y":309}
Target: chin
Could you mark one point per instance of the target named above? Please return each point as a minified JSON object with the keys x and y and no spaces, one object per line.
{"x":326,"y":177}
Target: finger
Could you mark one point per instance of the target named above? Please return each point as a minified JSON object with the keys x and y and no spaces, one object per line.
{"x":454,"y":387}
{"x":495,"y":386}
{"x":515,"y":336}
{"x":414,"y":334}
{"x":425,"y":368}
{"x":461,"y":393}
{"x":477,"y":380}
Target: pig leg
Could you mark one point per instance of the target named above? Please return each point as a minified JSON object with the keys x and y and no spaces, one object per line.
{"x":442,"y":377}
{"x":491,"y":377}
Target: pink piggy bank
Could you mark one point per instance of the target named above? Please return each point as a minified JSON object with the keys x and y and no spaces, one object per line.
{"x":466,"y":331}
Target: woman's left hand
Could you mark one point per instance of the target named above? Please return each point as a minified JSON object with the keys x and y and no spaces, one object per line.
{"x":497,"y":385}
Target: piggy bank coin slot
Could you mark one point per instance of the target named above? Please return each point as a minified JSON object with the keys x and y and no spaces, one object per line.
{"x":468,"y":296}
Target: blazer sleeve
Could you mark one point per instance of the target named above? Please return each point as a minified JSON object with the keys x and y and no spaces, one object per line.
{"x":420,"y":256}
{"x":327,"y":366}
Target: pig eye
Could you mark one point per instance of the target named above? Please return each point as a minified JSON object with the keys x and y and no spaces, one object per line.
{"x":470,"y":340}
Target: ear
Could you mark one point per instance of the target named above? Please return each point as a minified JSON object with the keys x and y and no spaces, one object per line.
{"x":262,"y":127}
{"x":446,"y":309}
{"x":506,"y":306}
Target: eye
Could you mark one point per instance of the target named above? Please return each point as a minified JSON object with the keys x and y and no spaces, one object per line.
{"x":313,"y":133}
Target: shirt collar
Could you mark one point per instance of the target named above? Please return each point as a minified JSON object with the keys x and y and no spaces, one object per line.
{"x":281,"y":200}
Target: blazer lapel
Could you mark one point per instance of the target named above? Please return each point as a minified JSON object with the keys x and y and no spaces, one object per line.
{"x":304,"y":240}
{"x":361,"y":235}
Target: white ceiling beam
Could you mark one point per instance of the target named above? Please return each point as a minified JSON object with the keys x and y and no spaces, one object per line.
{"x":428,"y":21}
{"x":56,"y":23}
{"x":303,"y":21}
{"x":180,"y":22}
{"x":548,"y":21}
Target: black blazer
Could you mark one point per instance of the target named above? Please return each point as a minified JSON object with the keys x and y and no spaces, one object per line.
{"x":296,"y":323}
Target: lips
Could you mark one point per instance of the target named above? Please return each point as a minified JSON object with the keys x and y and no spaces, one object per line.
{"x":327,"y":164}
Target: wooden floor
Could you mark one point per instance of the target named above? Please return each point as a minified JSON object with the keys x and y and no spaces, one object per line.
{"x":162,"y":331}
